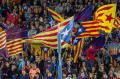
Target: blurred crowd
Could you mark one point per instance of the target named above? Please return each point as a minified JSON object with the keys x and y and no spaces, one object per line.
{"x":33,"y":13}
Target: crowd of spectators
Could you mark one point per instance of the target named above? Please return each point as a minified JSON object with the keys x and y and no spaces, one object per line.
{"x":34,"y":14}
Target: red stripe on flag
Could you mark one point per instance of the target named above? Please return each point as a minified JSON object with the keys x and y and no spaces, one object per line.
{"x":53,"y":14}
{"x":53,"y":45}
{"x":15,"y":52}
{"x":52,"y":34}
{"x":85,"y":35}
{"x":105,"y":27}
{"x":105,"y":8}
{"x":13,"y":42}
{"x":87,"y":23}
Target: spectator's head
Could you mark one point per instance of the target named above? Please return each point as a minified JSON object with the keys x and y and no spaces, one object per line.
{"x":7,"y":64}
{"x":90,"y":76}
{"x":53,"y":58}
{"x":105,"y":76}
{"x":23,"y":72}
{"x":32,"y":27}
{"x":33,"y":65}
{"x":93,"y":69}
{"x":90,"y":46}
{"x":8,"y":22}
{"x":28,"y":63}
{"x":74,"y":76}
{"x":83,"y":63}
{"x":82,"y":74}
{"x":64,"y":75}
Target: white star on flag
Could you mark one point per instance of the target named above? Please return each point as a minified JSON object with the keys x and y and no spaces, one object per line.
{"x":65,"y":33}
{"x":45,"y":49}
{"x":52,"y":22}
{"x":80,"y":30}
{"x":118,"y":59}
{"x":75,"y":41}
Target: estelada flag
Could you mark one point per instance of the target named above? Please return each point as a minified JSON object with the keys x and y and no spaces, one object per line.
{"x":105,"y":15}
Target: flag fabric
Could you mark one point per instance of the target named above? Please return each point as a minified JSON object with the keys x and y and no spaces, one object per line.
{"x":80,"y":30}
{"x":49,"y":37}
{"x":24,"y":32}
{"x":55,"y":16}
{"x":13,"y":33}
{"x":67,"y":31}
{"x":84,"y":15}
{"x":44,"y":52}
{"x":51,"y":20}
{"x":113,"y":48}
{"x":116,"y":58}
{"x":35,"y":49}
{"x":3,"y":49}
{"x":45,"y":49}
{"x":2,"y":40}
{"x":106,"y":17}
{"x":112,"y":53}
{"x":117,"y":22}
{"x":75,"y":40}
{"x":2,"y":26}
{"x":14,"y":46}
{"x":78,"y":49}
{"x":97,"y":43}
{"x":91,"y":29}
{"x":14,"y":40}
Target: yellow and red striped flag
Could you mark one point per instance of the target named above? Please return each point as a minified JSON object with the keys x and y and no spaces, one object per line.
{"x":46,"y":52}
{"x":15,"y":46}
{"x":49,"y":37}
{"x":37,"y":50}
{"x":92,"y":29}
{"x":106,"y":17}
{"x":2,"y":39}
{"x":78,"y":49}
{"x":117,"y":22}
{"x":113,"y":62}
{"x":3,"y":49}
{"x":56,"y":16}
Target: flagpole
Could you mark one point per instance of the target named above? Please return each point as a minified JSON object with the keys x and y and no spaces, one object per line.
{"x":59,"y":54}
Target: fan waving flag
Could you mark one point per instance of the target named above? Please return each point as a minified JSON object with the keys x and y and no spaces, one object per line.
{"x":54,"y":17}
{"x":49,"y":37}
{"x":67,"y":31}
{"x":106,"y":17}
{"x":84,"y":15}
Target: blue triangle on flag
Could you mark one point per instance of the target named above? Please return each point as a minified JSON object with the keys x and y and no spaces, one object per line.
{"x":51,"y":20}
